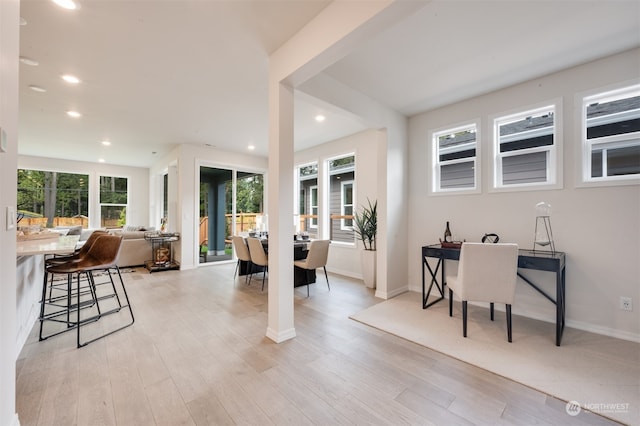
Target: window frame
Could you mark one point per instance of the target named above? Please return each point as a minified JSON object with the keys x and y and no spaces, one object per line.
{"x":436,"y":170}
{"x":583,"y":100}
{"x":553,"y":153}
{"x":313,"y":222}
{"x":343,"y":225}
{"x":330,"y":173}
{"x":101,"y":204}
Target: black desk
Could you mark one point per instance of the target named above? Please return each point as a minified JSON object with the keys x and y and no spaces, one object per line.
{"x":527,"y":259}
{"x":300,"y":276}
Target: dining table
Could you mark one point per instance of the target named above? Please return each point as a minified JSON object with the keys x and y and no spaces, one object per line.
{"x":300,"y":276}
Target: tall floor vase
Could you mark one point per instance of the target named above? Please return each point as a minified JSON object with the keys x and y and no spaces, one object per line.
{"x":369,"y":267}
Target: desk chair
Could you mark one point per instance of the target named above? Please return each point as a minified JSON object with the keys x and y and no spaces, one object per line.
{"x":316,"y":258}
{"x":242,"y":253}
{"x":258,"y":257}
{"x":486,"y":273}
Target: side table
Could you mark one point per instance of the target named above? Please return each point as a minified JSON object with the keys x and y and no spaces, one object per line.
{"x":161,"y":251}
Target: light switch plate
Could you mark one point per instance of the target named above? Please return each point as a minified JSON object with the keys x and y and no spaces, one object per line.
{"x":11,"y":218}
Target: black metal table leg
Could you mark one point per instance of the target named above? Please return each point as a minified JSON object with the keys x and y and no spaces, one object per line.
{"x":434,"y":280}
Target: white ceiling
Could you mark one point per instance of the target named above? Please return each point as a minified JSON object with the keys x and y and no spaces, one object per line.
{"x":160,"y":73}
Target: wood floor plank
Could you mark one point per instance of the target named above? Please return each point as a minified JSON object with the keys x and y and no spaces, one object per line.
{"x":208,"y":410}
{"x":167,"y":405}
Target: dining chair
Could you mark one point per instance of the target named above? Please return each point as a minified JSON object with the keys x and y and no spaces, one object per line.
{"x":242,"y":253}
{"x":486,"y":273}
{"x":101,"y":256}
{"x":258,"y":257}
{"x":316,"y":258}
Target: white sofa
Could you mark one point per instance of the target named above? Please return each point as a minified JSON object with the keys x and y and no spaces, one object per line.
{"x":135,"y":250}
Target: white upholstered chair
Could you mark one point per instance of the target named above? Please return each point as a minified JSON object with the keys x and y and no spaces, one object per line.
{"x":486,"y":273}
{"x":316,"y":258}
{"x":258,"y":257}
{"x":242,"y":253}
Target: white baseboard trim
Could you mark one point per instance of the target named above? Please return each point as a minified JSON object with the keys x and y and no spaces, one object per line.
{"x":606,"y":331}
{"x":391,"y":294}
{"x":15,"y":421}
{"x":345,"y":273}
{"x":282,"y":336}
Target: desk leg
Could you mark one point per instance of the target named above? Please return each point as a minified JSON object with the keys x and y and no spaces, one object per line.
{"x":434,"y":280}
{"x":560,"y":305}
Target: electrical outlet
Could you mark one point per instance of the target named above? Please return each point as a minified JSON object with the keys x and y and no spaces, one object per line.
{"x":626,"y":303}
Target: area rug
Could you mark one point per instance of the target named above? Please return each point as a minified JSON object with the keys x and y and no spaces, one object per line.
{"x":600,"y":373}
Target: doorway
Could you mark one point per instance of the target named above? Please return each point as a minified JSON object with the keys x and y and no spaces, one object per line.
{"x":231,"y":203}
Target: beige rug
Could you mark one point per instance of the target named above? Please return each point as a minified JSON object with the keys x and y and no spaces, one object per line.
{"x":600,"y":373}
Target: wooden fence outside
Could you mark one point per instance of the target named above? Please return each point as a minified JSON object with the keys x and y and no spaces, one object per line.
{"x":57,"y":221}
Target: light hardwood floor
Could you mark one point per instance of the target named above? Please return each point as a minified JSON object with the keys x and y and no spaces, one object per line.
{"x":197,"y":354}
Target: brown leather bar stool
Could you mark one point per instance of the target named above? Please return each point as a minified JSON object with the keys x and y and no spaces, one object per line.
{"x":58,"y":259}
{"x":101,"y":256}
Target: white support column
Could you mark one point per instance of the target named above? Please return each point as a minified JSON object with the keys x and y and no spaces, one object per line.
{"x":280,"y":326}
{"x":331,"y":35}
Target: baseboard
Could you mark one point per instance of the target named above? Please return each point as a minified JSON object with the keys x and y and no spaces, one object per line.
{"x":282,"y":336}
{"x":15,"y":421}
{"x":349,"y":274}
{"x":391,"y":294}
{"x":606,"y":331}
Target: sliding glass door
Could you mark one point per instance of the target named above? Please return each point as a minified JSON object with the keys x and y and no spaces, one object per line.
{"x":231,"y":203}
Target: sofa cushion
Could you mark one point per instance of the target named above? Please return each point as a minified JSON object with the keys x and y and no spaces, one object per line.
{"x":72,"y":230}
{"x":86,"y":233}
{"x":132,"y":228}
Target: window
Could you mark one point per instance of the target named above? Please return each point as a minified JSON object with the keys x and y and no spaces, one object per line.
{"x":346,"y":223}
{"x":313,"y":206}
{"x":49,"y":198}
{"x":611,"y":135}
{"x":525,"y":148}
{"x":308,"y":202}
{"x":341,"y":198}
{"x":113,"y":201}
{"x":454,"y":159}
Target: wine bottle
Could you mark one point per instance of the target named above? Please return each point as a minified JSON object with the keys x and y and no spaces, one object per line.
{"x":447,"y":234}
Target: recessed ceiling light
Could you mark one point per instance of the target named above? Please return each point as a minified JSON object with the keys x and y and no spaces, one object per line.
{"x":29,"y":61}
{"x":251,"y":147}
{"x":71,"y":79}
{"x":320,"y":118}
{"x":106,"y":143}
{"x":101,"y":160}
{"x":74,"y":114}
{"x":67,"y":4}
{"x":37,"y":88}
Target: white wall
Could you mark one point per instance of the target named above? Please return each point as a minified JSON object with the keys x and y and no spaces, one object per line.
{"x":9,"y":44}
{"x":597,"y":227}
{"x":343,"y":258}
{"x":138,"y":181}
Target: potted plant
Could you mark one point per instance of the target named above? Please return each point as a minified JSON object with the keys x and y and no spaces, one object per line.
{"x":365,"y":225}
